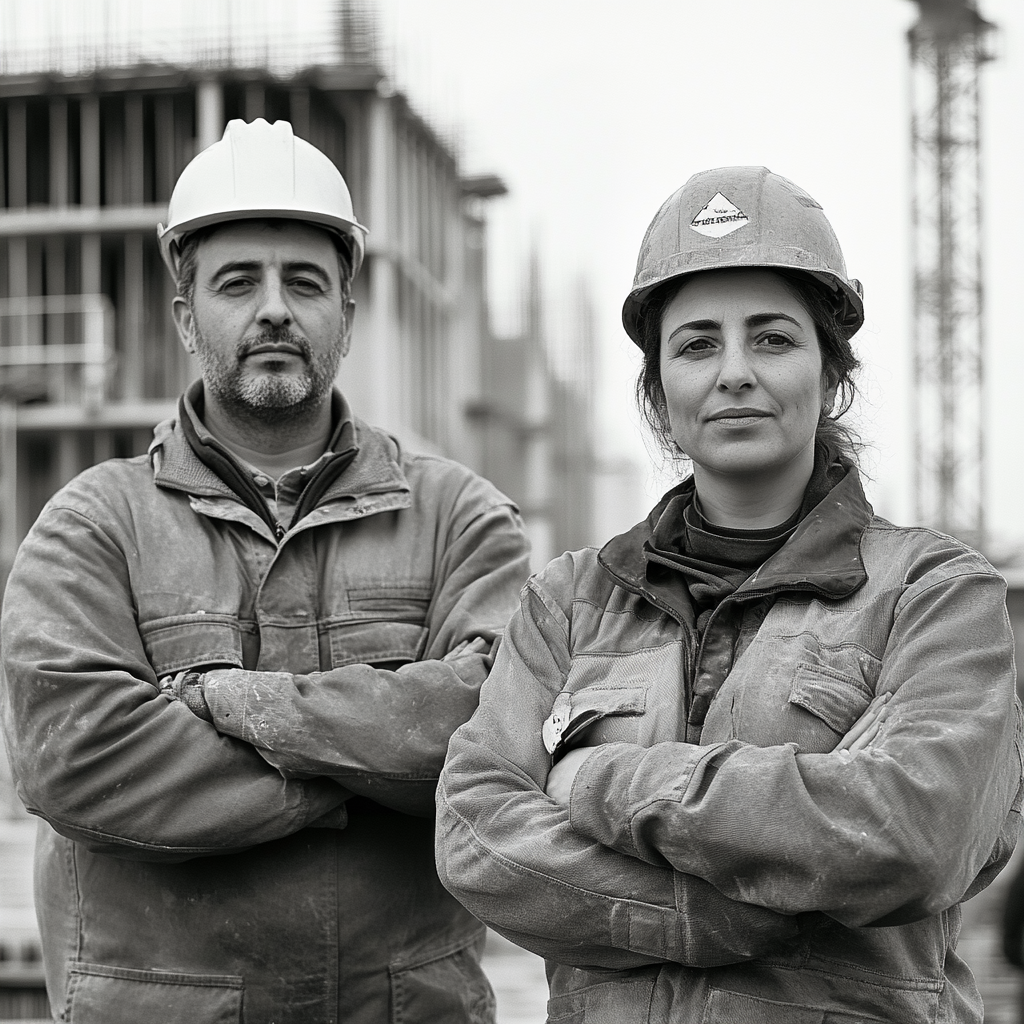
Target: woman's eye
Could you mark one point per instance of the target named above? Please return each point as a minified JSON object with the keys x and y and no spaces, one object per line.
{"x":774,"y":340}
{"x":696,"y":347}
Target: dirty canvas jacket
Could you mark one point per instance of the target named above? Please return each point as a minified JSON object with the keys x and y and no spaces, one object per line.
{"x":177,"y":877}
{"x":747,"y":875}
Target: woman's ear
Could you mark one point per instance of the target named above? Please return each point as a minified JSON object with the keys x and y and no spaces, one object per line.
{"x":828,"y":398}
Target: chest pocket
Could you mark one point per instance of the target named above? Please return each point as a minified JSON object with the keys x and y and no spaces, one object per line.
{"x":591,"y":716}
{"x":385,"y":625}
{"x":833,"y":697}
{"x":177,"y":642}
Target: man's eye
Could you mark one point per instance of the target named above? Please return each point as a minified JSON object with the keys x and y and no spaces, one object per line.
{"x":306,"y":287}
{"x":236,"y":285}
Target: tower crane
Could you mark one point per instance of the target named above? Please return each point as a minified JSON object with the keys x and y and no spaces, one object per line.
{"x":949,"y":43}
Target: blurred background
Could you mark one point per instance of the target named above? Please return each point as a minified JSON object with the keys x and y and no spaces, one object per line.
{"x":507,"y":158}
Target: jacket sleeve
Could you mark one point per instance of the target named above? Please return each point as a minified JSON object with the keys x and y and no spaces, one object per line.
{"x":383,"y":733}
{"x":96,"y":750}
{"x":508,"y":853}
{"x":896,"y":833}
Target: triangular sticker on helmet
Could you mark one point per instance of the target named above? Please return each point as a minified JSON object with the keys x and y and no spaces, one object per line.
{"x":719,"y":218}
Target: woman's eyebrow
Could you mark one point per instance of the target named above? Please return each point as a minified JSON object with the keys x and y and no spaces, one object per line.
{"x":696,"y":325}
{"x":760,"y":319}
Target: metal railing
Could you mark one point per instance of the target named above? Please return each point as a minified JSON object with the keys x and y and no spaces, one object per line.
{"x":32,"y":333}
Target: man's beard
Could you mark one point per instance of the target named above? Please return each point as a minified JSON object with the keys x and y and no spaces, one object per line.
{"x":268,"y":398}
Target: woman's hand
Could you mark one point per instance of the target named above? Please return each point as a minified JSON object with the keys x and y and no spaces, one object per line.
{"x":865,"y":729}
{"x":562,"y":775}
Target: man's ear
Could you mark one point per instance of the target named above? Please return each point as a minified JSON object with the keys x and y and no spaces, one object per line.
{"x":184,"y":322}
{"x":350,"y":315}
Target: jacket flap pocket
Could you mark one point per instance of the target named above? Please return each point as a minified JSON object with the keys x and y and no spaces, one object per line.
{"x":573,"y":712}
{"x":374,"y":643}
{"x":390,"y":602}
{"x":626,"y":700}
{"x":188,"y":641}
{"x":834,"y":697}
{"x":99,"y":994}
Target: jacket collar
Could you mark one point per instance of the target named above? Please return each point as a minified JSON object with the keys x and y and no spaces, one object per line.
{"x":373,"y":468}
{"x":823,"y":554}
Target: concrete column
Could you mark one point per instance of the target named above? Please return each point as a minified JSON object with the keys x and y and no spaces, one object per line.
{"x":373,"y":373}
{"x":58,"y":151}
{"x":299,"y":104}
{"x":9,"y":535}
{"x":17,"y":155}
{"x":134,"y":157}
{"x":89,"y":133}
{"x":209,"y":114}
{"x":255,"y":101}
{"x":67,"y":456}
{"x":163,"y":159}
{"x":53,"y":254}
{"x":92,"y":269}
{"x":133,"y":342}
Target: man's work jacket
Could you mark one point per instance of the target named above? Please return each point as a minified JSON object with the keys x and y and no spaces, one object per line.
{"x":276,"y":865}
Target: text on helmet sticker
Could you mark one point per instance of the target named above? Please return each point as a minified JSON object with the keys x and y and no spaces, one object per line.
{"x":719,"y":218}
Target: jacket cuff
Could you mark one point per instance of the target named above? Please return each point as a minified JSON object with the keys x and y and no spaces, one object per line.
{"x":599,"y":801}
{"x":243,"y":703}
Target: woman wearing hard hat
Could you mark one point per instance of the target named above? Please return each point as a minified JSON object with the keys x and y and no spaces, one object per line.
{"x":744,"y":763}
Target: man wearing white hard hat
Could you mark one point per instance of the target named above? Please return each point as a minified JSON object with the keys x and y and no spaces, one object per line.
{"x":232,"y":666}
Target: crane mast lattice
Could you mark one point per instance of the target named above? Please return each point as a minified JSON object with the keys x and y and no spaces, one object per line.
{"x":949,"y":43}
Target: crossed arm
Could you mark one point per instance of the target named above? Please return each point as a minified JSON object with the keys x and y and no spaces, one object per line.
{"x":382,"y":732}
{"x":718,"y":849}
{"x":110,"y":762}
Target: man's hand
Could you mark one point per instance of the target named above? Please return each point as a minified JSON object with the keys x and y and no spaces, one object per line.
{"x":563,"y":774}
{"x":187,"y":687}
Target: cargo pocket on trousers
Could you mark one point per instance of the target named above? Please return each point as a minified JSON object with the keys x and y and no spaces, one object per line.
{"x":98,"y":994}
{"x":732,"y":1007}
{"x":450,"y":986}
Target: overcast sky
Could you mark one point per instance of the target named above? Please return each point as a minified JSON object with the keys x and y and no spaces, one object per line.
{"x":594,"y":111}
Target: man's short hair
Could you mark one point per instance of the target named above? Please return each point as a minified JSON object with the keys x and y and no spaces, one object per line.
{"x":189,"y":254}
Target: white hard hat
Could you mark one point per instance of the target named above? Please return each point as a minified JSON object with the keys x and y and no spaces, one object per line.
{"x":260,"y":170}
{"x":741,"y":217}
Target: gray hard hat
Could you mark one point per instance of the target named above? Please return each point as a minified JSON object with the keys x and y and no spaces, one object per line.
{"x":741,"y":217}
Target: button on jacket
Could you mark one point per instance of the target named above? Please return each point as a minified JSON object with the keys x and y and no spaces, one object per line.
{"x":278,"y":867}
{"x":750,"y":874}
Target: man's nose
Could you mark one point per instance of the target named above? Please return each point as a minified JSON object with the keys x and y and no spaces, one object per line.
{"x":274,"y":310}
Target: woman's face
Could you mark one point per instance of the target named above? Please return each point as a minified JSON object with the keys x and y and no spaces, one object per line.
{"x":742,"y":371}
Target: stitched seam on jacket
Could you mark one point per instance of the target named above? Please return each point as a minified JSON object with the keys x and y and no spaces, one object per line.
{"x":534,"y":873}
{"x":904,"y":602}
{"x":666,"y":798}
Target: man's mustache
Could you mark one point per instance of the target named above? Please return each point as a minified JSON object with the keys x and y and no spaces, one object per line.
{"x":275,"y":336}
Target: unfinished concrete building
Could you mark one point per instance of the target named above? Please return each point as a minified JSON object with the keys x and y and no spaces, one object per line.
{"x":89,"y":360}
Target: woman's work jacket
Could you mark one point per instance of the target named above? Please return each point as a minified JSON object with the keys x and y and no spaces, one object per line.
{"x":735,"y":870}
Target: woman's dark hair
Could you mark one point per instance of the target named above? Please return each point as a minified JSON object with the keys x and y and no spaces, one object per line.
{"x":839,"y":364}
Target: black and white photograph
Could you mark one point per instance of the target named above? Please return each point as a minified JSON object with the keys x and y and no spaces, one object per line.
{"x":511,"y":512}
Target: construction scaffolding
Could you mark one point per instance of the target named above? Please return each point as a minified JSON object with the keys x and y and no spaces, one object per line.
{"x":948,"y":46}
{"x":97,"y":120}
